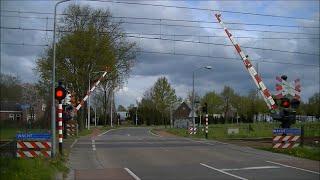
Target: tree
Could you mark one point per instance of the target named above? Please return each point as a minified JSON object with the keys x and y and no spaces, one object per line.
{"x":214,"y":102}
{"x":229,"y":97}
{"x":121,"y":108}
{"x":163,"y":96}
{"x":11,"y":89}
{"x":88,"y":41}
{"x":314,"y":105}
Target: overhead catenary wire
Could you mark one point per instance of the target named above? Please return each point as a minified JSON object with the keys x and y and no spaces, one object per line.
{"x":205,"y":9}
{"x":153,"y":19}
{"x":167,"y":39}
{"x":183,"y":54}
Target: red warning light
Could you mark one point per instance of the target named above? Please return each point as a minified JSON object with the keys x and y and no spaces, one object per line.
{"x":60,"y":93}
{"x":285,"y":102}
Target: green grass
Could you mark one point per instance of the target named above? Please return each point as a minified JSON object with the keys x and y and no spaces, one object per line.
{"x":253,"y":130}
{"x":38,"y":168}
{"x":312,"y":153}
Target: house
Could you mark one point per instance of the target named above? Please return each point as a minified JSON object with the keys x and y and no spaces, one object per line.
{"x":182,"y":115}
{"x":123,"y":115}
{"x":11,"y":111}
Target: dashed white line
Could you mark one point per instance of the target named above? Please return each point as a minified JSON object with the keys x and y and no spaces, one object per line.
{"x":251,"y":168}
{"x":74,"y":142}
{"x":219,"y":170}
{"x":306,"y":170}
{"x":93,"y":145}
{"x":132,"y":174}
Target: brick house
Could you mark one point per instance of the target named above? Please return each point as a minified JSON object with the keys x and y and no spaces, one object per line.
{"x":11,"y":111}
{"x":182,"y":115}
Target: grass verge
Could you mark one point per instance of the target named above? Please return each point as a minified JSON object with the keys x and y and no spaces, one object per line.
{"x":38,"y":168}
{"x":307,"y":152}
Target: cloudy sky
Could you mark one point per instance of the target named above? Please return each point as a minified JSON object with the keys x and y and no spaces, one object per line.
{"x":294,"y":43}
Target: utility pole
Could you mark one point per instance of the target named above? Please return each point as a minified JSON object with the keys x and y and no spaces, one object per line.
{"x":89,"y":103}
{"x":111,"y":104}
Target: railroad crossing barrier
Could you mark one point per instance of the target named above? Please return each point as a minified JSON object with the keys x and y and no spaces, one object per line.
{"x":72,"y":128}
{"x":286,"y":138}
{"x":192,"y":130}
{"x":33,"y":145}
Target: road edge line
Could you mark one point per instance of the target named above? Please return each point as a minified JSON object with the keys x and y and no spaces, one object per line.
{"x":306,"y":170}
{"x":154,"y":133}
{"x":219,"y":170}
{"x":74,"y":142}
{"x":105,"y":132}
{"x":132,"y":174}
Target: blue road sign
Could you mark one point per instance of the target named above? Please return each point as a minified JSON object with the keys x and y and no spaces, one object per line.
{"x":288,"y":131}
{"x":31,"y":136}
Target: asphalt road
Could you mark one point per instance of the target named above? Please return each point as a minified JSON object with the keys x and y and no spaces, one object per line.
{"x":136,"y":153}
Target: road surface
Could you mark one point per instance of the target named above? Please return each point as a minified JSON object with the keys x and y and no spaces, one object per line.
{"x":136,"y":153}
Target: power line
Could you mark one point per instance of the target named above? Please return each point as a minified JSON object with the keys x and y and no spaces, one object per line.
{"x":183,"y":54}
{"x":189,"y":41}
{"x":157,"y":19}
{"x":206,"y":9}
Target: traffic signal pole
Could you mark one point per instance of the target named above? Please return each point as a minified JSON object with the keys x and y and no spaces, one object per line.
{"x":207,"y":128}
{"x":60,"y":127}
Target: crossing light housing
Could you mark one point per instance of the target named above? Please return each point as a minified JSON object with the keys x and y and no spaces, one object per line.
{"x":285,"y":102}
{"x":60,"y":93}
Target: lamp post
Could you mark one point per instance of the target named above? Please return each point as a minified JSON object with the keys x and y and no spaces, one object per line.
{"x":89,"y":103}
{"x":192,"y":105}
{"x":53,"y":105}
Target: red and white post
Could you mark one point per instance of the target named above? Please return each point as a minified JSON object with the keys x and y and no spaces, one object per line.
{"x":60,"y":127}
{"x":207,"y":126}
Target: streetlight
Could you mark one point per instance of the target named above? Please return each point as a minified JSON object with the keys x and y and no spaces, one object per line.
{"x":89,"y":103}
{"x":53,"y":106}
{"x":193,"y":73}
{"x":137,"y":101}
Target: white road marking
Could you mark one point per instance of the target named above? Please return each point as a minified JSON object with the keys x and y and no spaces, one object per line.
{"x":251,"y":168}
{"x":154,"y":133}
{"x":219,"y":170}
{"x":306,"y":170}
{"x":74,"y":142}
{"x":105,"y":132}
{"x":132,"y":174}
{"x":128,"y":134}
{"x":93,"y":145}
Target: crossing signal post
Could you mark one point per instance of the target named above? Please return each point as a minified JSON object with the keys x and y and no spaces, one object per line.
{"x":288,"y":100}
{"x":205,"y":111}
{"x":60,"y":94}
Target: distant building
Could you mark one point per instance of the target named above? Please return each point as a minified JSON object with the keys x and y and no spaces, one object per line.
{"x":123,"y":115}
{"x":182,"y":115}
{"x":11,"y":111}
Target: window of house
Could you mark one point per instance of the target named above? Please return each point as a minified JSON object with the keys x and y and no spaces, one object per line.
{"x":18,"y":115}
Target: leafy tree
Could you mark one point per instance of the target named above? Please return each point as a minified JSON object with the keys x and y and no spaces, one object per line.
{"x":88,"y":41}
{"x":11,"y":89}
{"x":121,"y":108}
{"x":214,"y":102}
{"x":313,"y":106}
{"x":163,"y":96}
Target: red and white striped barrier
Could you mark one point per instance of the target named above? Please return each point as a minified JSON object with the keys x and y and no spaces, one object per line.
{"x":33,"y":149}
{"x":192,"y":130}
{"x":285,"y":141}
{"x":91,"y":90}
{"x":71,"y":128}
{"x":253,"y":73}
